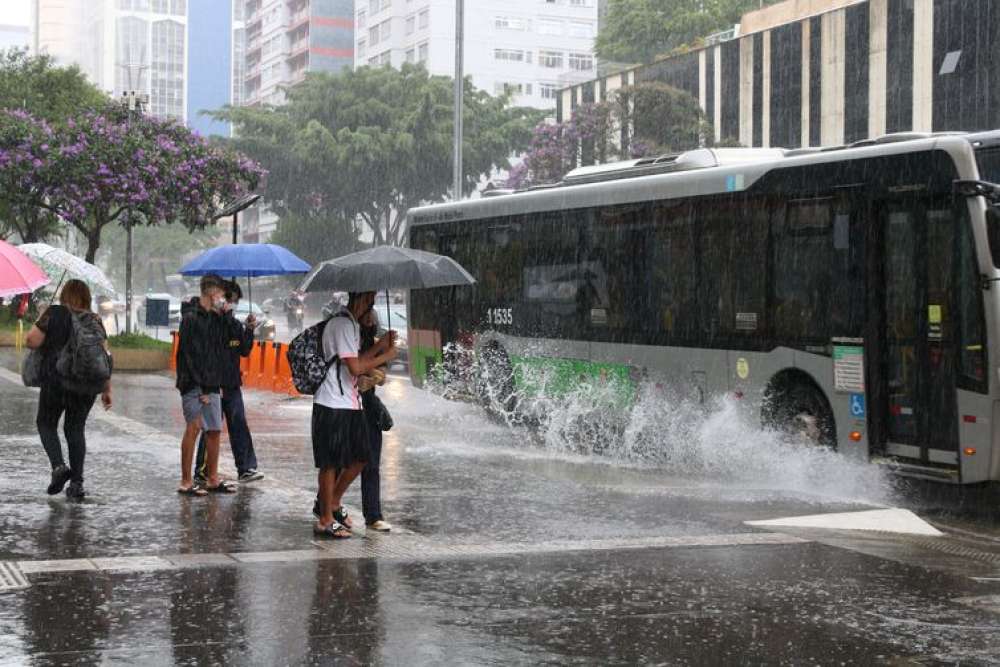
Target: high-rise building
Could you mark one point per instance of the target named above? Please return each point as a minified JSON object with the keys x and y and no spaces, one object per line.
{"x":14,"y":36}
{"x":287,"y":38}
{"x":186,"y":55}
{"x":528,"y":48}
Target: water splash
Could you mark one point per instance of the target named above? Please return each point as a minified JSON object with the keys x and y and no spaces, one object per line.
{"x":712,"y":442}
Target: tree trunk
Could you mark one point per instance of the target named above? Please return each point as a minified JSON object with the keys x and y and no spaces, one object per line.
{"x":93,"y":243}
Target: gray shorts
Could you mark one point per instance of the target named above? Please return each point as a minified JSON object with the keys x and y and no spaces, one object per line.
{"x":210,"y":415}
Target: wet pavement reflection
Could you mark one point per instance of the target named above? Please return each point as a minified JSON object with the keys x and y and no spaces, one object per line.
{"x":508,"y":551}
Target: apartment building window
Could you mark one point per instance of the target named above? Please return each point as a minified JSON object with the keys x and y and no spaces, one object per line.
{"x":373,"y":61}
{"x":411,"y":55}
{"x":512,"y":55}
{"x":583,"y":62}
{"x":548,"y":91}
{"x":362,"y":18}
{"x":374,"y":6}
{"x":510,"y":23}
{"x":385,"y":58}
{"x":175,"y":7}
{"x":361,"y":48}
{"x":579,"y":29}
{"x":167,"y":69}
{"x":386,"y":29}
{"x":423,"y":52}
{"x":424,"y":19}
{"x":549,"y":27}
{"x":373,"y":35}
{"x":386,"y":4}
{"x":553,"y":59}
{"x":411,"y":24}
{"x":511,"y":88}
{"x":178,"y":7}
{"x":134,"y":5}
{"x":581,"y":3}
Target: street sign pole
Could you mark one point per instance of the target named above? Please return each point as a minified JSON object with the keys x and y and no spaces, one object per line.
{"x":459,"y":93}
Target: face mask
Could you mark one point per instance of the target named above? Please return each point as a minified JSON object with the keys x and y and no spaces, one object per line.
{"x":219,"y":304}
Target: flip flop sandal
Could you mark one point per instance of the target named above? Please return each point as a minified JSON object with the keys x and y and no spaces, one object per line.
{"x":333,"y":531}
{"x":223,"y":487}
{"x":340,"y":516}
{"x":193,"y":490}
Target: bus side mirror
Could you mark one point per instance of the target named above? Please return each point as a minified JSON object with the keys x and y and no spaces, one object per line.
{"x":978,"y":189}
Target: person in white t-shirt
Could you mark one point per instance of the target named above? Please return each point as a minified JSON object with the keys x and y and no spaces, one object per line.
{"x":339,"y":427}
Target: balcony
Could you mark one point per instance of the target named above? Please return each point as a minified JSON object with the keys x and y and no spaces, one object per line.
{"x":298,"y":19}
{"x":298,"y":47}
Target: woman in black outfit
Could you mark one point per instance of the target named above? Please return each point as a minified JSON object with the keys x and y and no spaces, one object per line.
{"x":49,"y":335}
{"x":371,"y":493}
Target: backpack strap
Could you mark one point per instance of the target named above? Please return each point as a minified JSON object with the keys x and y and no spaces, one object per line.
{"x":335,"y":360}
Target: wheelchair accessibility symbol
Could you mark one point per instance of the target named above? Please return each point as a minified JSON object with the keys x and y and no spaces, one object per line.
{"x":858,"y":406}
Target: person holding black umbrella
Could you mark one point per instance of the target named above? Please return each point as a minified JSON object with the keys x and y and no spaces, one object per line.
{"x":339,"y":428}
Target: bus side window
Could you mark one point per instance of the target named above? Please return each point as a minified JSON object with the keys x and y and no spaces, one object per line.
{"x":801,"y":287}
{"x":969,"y":309}
{"x":673,"y":286}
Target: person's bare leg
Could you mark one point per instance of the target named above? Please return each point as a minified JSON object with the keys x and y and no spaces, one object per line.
{"x":327,"y":480}
{"x":191,"y":433}
{"x":344,"y":480}
{"x":212,"y":457}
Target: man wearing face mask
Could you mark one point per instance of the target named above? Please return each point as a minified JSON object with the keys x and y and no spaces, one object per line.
{"x":201,"y":361}
{"x":239,"y":343}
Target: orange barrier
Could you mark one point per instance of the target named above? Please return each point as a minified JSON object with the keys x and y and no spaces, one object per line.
{"x":266,"y":368}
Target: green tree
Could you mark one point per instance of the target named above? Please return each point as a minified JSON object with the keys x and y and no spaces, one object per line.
{"x":641,"y":30}
{"x":36,"y":86}
{"x":660,"y":119}
{"x":369,"y":144}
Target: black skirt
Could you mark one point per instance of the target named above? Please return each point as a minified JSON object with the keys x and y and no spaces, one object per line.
{"x":339,"y":437}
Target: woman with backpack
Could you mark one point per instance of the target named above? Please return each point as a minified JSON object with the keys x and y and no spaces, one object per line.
{"x":70,"y":380}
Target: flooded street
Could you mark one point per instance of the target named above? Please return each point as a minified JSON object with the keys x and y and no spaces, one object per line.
{"x":509,"y":546}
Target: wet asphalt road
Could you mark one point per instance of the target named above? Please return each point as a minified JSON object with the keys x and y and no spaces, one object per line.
{"x":509,"y":550}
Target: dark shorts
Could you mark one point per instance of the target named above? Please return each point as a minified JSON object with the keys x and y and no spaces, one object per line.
{"x":339,"y":437}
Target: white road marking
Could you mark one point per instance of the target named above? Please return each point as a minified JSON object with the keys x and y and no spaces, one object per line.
{"x":894,"y":520}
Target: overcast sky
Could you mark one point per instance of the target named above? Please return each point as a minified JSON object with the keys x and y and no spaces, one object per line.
{"x":15,"y":12}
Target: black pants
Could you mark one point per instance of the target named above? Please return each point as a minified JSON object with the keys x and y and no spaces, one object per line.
{"x":52,"y":403}
{"x":371,"y":480}
{"x":239,"y":434}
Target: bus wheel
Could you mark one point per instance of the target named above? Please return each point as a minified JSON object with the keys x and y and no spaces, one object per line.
{"x":495,"y":380}
{"x":800,"y":409}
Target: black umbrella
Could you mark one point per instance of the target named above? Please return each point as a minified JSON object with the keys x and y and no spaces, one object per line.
{"x":385,"y":268}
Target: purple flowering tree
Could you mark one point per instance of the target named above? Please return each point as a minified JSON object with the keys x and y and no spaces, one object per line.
{"x":103,"y":167}
{"x":141,"y":170}
{"x":27,"y":148}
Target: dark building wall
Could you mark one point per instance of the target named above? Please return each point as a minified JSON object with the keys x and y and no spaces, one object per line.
{"x":856,"y":49}
{"x":899,"y":66}
{"x":729,"y":98}
{"x":786,"y":79}
{"x":956,"y":87}
{"x":758,"y":89}
{"x":815,"y":81}
{"x":966,"y":75}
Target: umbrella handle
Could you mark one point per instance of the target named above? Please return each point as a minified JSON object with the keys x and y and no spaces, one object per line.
{"x":58,"y":285}
{"x":388,"y":313}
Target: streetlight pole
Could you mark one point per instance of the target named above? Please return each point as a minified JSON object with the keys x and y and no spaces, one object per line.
{"x":133,"y":105}
{"x":459,"y":93}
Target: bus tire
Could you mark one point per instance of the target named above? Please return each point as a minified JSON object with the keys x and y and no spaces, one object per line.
{"x":495,"y":380}
{"x":798,"y":407}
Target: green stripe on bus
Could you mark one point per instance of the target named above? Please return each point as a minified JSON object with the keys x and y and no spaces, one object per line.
{"x":422,"y":356}
{"x":562,"y":376}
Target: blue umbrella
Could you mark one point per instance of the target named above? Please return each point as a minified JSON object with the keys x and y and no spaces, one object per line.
{"x":246,"y":259}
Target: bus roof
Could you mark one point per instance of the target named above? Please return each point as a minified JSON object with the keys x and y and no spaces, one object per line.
{"x":698,"y":172}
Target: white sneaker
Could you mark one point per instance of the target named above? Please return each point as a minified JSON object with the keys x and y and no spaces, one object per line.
{"x":251,"y":475}
{"x":380,"y":526}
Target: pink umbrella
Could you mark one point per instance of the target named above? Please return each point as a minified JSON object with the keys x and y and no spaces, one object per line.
{"x":18,"y":274}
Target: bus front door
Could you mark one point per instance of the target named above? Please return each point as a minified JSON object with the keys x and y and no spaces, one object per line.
{"x":916,"y":395}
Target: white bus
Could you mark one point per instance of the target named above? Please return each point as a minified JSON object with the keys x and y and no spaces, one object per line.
{"x":852,"y":294}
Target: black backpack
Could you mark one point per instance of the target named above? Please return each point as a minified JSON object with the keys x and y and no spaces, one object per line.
{"x":84,"y":365}
{"x":306,"y":360}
